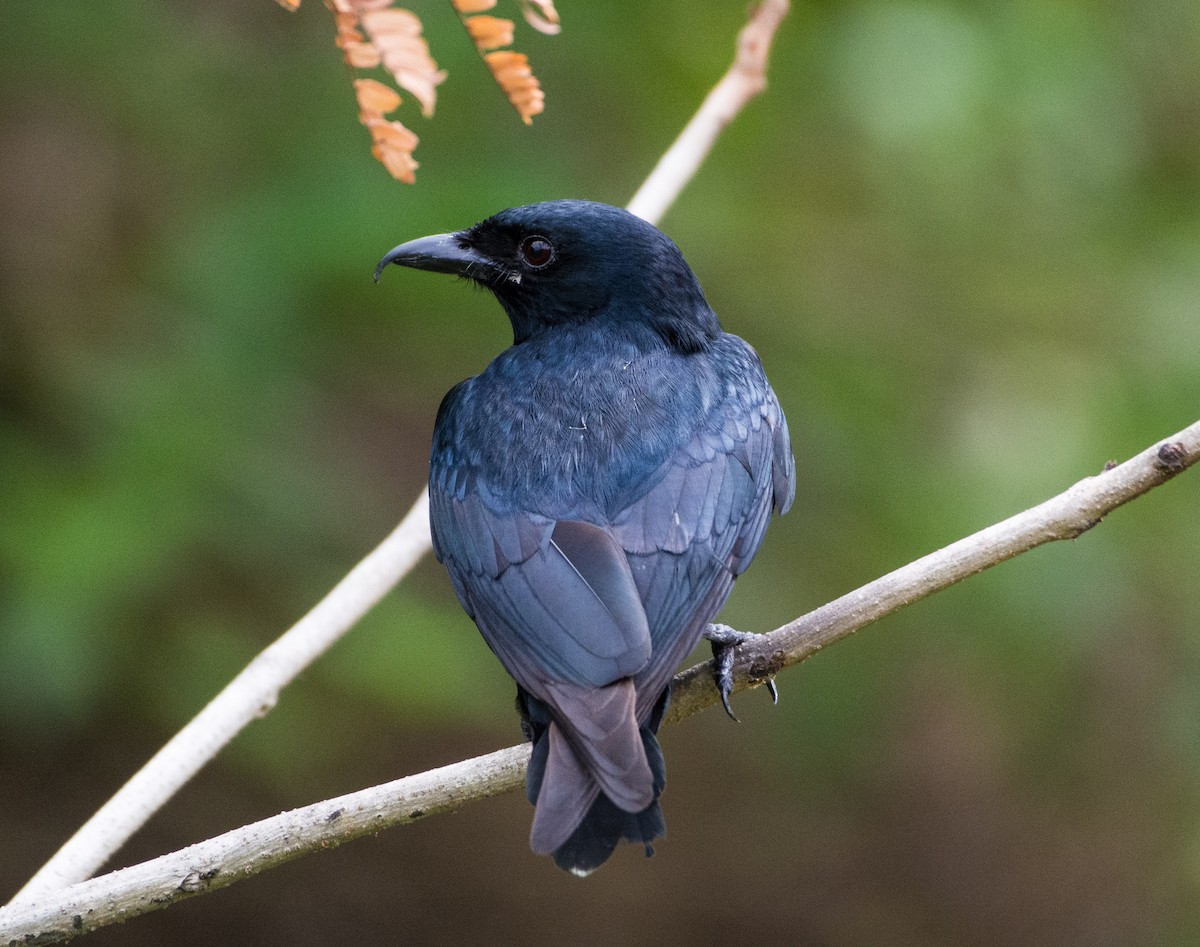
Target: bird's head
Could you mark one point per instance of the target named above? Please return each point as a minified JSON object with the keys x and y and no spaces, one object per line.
{"x":565,"y":263}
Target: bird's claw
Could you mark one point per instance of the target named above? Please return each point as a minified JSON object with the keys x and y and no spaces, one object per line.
{"x":723,"y":656}
{"x":724,"y":640}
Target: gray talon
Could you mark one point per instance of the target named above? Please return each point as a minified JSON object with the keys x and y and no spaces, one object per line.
{"x":724,"y":640}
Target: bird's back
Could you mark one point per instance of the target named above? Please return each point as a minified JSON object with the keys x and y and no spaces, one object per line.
{"x":679,"y":457}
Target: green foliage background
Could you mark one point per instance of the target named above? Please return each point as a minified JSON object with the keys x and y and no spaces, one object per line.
{"x":965,"y":239}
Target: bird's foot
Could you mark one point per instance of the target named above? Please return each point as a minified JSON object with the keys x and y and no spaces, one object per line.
{"x":724,"y":640}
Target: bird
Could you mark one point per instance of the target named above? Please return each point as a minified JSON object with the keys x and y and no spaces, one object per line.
{"x":593,"y":494}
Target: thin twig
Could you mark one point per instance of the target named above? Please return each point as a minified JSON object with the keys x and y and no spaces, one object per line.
{"x":254,"y":691}
{"x":746,"y":78}
{"x":247,"y":851}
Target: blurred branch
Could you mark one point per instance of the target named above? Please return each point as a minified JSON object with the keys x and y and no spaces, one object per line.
{"x":247,"y":697}
{"x":247,"y":851}
{"x":254,"y":691}
{"x":746,"y":78}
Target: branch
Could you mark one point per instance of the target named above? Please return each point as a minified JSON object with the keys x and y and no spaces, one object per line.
{"x":255,"y":690}
{"x":247,"y":697}
{"x":746,"y":78}
{"x":244,"y":852}
{"x":1066,"y":516}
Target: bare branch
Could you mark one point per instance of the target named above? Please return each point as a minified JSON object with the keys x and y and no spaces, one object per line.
{"x":1065,"y":516}
{"x":244,"y":852}
{"x":217,"y":862}
{"x":253,"y":692}
{"x":247,"y":697}
{"x":746,"y":78}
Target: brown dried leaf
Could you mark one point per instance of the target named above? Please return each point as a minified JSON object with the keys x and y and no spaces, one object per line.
{"x":489,"y":32}
{"x":396,"y":34}
{"x":393,"y":147}
{"x":360,"y":55}
{"x":541,"y":15}
{"x":393,"y":39}
{"x":393,"y":24}
{"x":510,"y":69}
{"x":357,"y":53}
{"x":512,"y":73}
{"x":374,"y":98}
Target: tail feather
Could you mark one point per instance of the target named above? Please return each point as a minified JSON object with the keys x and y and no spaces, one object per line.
{"x":600,"y":724}
{"x":561,"y":790}
{"x":604,"y":825}
{"x":574,"y":818}
{"x":596,"y":837}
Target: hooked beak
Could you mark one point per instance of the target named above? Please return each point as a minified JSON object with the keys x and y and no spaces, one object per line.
{"x":441,"y":253}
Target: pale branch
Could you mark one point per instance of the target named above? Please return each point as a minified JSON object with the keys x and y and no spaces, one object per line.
{"x":242,"y":853}
{"x":746,"y":78}
{"x":254,"y":691}
{"x":247,"y":851}
{"x":247,"y":697}
{"x":1065,"y":516}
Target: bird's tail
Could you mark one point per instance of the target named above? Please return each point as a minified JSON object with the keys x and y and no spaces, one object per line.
{"x":605,"y":824}
{"x":575,"y":819}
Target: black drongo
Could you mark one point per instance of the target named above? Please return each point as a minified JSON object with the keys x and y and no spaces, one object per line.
{"x":593,"y":493}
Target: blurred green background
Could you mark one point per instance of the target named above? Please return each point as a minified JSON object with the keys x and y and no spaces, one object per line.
{"x":965,"y":239}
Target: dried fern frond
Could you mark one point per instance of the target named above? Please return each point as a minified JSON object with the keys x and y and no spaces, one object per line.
{"x":396,"y":33}
{"x":391,"y":143}
{"x":393,"y":146}
{"x":356,"y":51}
{"x":510,"y":69}
{"x":373,"y":33}
{"x":512,"y":73}
{"x":489,"y":32}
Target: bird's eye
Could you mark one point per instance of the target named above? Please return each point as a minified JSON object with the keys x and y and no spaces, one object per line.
{"x":537,"y":252}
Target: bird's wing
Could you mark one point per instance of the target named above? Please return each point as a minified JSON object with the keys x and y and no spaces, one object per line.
{"x":702,"y":522}
{"x":557,"y":603}
{"x":555,"y":599}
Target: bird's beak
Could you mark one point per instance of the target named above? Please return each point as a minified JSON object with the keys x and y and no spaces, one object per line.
{"x":441,"y":253}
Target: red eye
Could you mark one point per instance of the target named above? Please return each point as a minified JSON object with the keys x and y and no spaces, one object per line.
{"x":537,"y":252}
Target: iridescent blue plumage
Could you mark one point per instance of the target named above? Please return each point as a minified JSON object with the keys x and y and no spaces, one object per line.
{"x":594,"y":493}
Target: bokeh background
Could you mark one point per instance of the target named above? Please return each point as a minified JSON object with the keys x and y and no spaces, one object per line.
{"x":965,"y":239}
